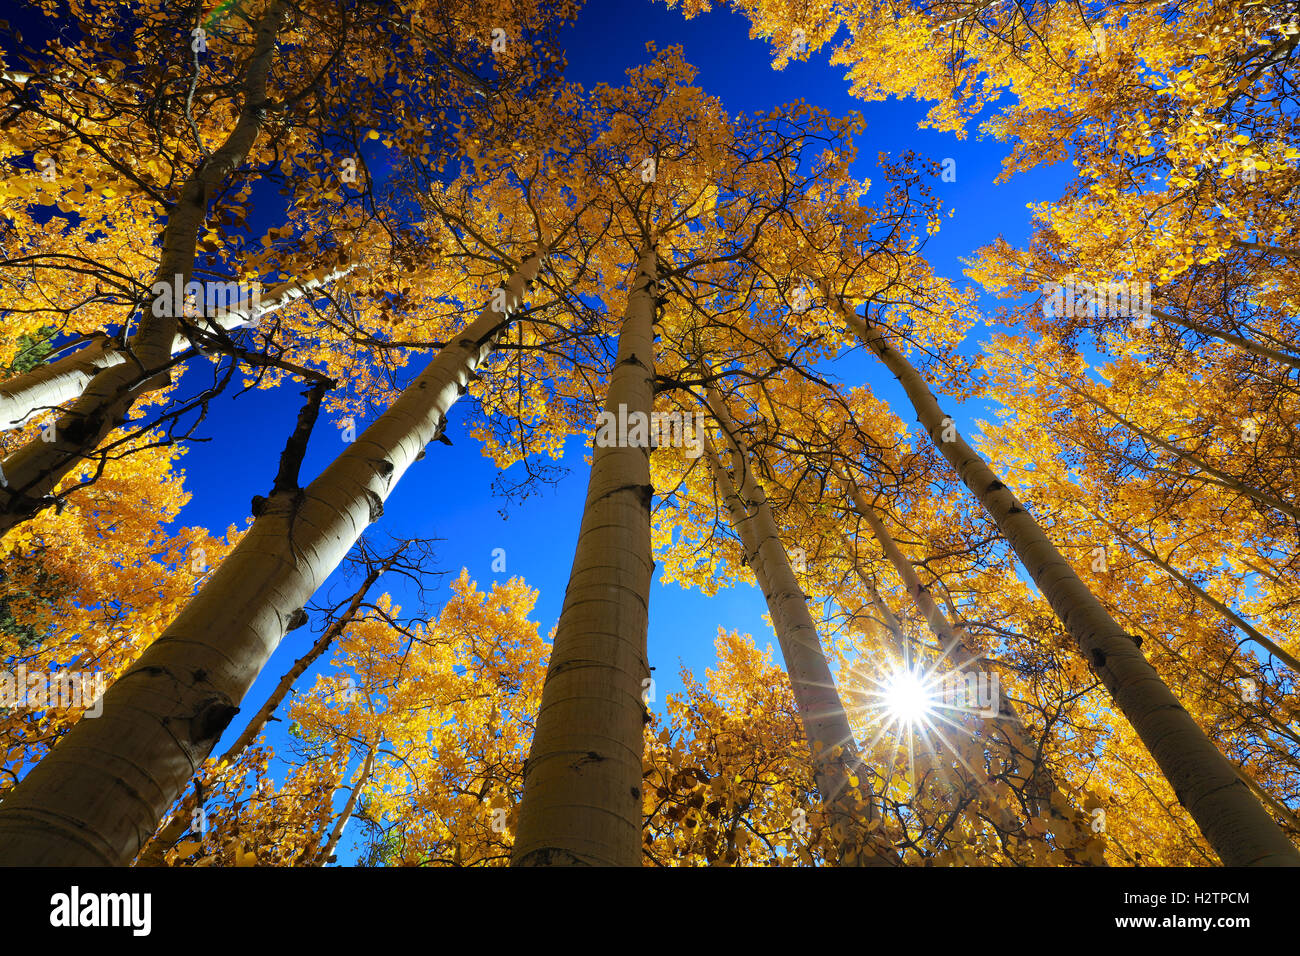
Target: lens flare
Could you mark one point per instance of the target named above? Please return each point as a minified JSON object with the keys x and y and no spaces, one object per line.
{"x":907,"y":699}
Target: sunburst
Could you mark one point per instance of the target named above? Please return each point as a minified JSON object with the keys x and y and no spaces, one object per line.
{"x":905,"y":700}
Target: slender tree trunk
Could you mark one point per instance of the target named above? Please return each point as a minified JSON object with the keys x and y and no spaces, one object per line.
{"x":32,"y":472}
{"x":904,"y":646}
{"x":1269,"y":721}
{"x":1240,"y":341}
{"x":838,"y":769}
{"x":928,"y":745}
{"x":1228,"y":614}
{"x":889,"y":621}
{"x":582,"y":803}
{"x":1215,"y":475}
{"x":323,"y":857}
{"x":1039,"y":784}
{"x":49,"y":386}
{"x":1278,"y":807}
{"x":1267,"y":247}
{"x":155,"y":853}
{"x":1233,"y":821}
{"x":99,"y":794}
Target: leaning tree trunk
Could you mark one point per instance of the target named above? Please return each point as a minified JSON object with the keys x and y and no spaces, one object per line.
{"x":838,"y":769}
{"x":1211,"y":474}
{"x":902,"y":644}
{"x":32,"y":472}
{"x":1248,"y":345}
{"x":582,"y":804}
{"x":99,"y":794}
{"x":48,"y":386}
{"x":322,"y":857}
{"x":179,"y":823}
{"x":1039,"y":783}
{"x":1233,"y":821}
{"x":1227,"y":613}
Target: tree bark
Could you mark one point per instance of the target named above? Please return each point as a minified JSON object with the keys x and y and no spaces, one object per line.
{"x":1249,"y":345}
{"x":582,"y":803}
{"x":1278,"y":807}
{"x":838,"y":768}
{"x":1216,"y":476}
{"x":32,"y":472}
{"x":323,"y":857}
{"x":99,"y":794}
{"x":1227,"y":613}
{"x":155,"y":853}
{"x":1233,"y":821}
{"x":62,"y":380}
{"x":1039,"y":784}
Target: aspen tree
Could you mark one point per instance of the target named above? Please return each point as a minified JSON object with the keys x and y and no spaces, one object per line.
{"x":1227,"y":613}
{"x":322,"y":857}
{"x":841,"y":777}
{"x":99,"y":795}
{"x":1207,"y":784}
{"x":582,"y":800}
{"x":1248,"y":345}
{"x":582,"y":795}
{"x":35,"y":469}
{"x":1205,"y":471}
{"x":60,"y":381}
{"x":316,"y":76}
{"x":1045,"y":795}
{"x":179,"y":822}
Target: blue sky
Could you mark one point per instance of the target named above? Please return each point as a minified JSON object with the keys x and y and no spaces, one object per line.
{"x":448,"y":494}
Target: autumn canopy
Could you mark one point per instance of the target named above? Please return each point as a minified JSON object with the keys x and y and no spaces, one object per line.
{"x":1025,"y":532}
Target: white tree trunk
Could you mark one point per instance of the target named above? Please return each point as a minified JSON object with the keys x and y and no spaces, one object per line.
{"x":582,"y":803}
{"x":99,"y":794}
{"x":1209,"y":473}
{"x":1038,"y":783}
{"x":1227,"y":613}
{"x":1249,"y":345}
{"x":49,"y":386}
{"x":842,"y":779}
{"x":1205,"y":782}
{"x":32,"y":472}
{"x":156,"y":852}
{"x":336,"y":834}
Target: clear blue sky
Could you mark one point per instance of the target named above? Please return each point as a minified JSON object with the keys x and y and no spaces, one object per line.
{"x":448,"y":494}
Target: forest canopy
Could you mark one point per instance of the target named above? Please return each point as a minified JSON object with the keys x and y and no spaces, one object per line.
{"x":952,"y":540}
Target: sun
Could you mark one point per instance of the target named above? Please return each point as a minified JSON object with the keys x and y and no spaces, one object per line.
{"x":907,"y":699}
{"x":908,"y":704}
